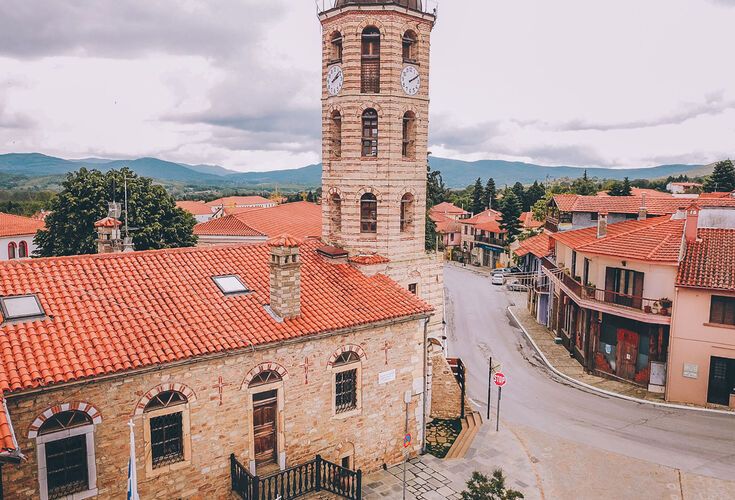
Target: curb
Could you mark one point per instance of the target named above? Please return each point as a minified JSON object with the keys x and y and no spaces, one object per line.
{"x":605,"y":392}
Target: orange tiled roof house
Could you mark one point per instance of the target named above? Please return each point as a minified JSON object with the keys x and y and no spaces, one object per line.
{"x":16,"y":236}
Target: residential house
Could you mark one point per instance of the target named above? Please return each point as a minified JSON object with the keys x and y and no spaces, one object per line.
{"x":684,"y":187}
{"x":529,"y":255}
{"x":483,"y":240}
{"x":255,"y":225}
{"x":529,"y":223}
{"x":445,"y":217}
{"x":200,"y":210}
{"x":219,"y":205}
{"x":16,"y":236}
{"x":609,"y":295}
{"x":702,"y":360}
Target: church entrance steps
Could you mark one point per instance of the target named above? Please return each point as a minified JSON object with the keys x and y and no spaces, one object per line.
{"x":470,"y":426}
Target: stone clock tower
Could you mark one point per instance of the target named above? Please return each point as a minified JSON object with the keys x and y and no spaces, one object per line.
{"x":375,"y":117}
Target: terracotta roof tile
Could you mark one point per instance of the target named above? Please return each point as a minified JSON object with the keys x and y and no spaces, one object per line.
{"x":233,"y":201}
{"x":301,"y":220}
{"x":369,"y":260}
{"x":710,"y":261}
{"x":655,"y":240}
{"x":16,"y":225}
{"x":631,"y":204}
{"x":446,"y":208}
{"x":529,"y":222}
{"x":108,"y":222}
{"x":285,"y":240}
{"x":537,"y":245}
{"x":7,"y":436}
{"x":489,"y":220}
{"x":195,"y":207}
{"x":116,"y":312}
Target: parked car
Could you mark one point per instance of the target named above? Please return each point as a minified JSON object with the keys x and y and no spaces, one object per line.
{"x":498,"y":279}
{"x":517,"y":286}
{"x":509,"y":270}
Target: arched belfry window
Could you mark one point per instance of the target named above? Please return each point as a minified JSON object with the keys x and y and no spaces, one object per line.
{"x":409,"y":135}
{"x":410,"y":47}
{"x":370,"y":132}
{"x":370,"y":74}
{"x":407,"y":209}
{"x":265,"y":377}
{"x":335,"y":55}
{"x":335,"y":208}
{"x":368,"y":213}
{"x":336,"y":134}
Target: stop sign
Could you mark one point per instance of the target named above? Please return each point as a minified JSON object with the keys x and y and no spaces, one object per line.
{"x":499,"y":379}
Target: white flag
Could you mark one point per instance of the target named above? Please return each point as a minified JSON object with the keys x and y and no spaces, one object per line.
{"x":132,"y":473}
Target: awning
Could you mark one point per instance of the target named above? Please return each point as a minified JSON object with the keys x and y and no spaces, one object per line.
{"x":492,"y":248}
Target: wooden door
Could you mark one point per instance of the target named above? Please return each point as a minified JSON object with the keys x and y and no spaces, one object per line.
{"x":264,"y":428}
{"x":721,"y":380}
{"x":627,"y":353}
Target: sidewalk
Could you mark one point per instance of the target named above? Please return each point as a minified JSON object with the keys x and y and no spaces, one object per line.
{"x":559,"y":358}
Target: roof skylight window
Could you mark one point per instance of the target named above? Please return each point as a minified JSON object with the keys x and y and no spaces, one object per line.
{"x":21,"y":307}
{"x":230,"y":284}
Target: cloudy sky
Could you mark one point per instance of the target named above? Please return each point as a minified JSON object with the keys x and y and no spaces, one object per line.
{"x":236,"y":82}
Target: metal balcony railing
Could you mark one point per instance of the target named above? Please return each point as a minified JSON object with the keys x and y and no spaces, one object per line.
{"x":490,"y":241}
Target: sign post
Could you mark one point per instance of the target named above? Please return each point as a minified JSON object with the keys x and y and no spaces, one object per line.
{"x":500,"y":381}
{"x":489,"y":385}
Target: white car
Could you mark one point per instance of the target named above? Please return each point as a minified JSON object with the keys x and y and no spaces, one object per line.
{"x":498,"y":279}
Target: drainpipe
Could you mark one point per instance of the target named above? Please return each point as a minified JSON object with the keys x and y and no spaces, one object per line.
{"x":426,"y":386}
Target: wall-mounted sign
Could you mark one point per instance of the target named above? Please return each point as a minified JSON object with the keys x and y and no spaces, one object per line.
{"x":658,"y":373}
{"x":691,"y":370}
{"x":385,"y":377}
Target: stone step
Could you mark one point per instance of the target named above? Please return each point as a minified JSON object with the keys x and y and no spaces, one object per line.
{"x":470,"y":426}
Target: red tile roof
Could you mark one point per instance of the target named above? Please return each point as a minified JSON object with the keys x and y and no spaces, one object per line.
{"x":631,"y":204}
{"x":116,"y":312}
{"x":7,"y":436}
{"x":300,"y":219}
{"x":537,"y":245}
{"x":635,"y":191}
{"x":233,"y":201}
{"x":369,"y":260}
{"x":653,"y":240}
{"x":108,"y":222}
{"x":489,"y":220}
{"x":285,"y":240}
{"x":529,"y":222}
{"x":710,"y":261}
{"x":195,"y":207}
{"x":446,"y":208}
{"x":16,"y":225}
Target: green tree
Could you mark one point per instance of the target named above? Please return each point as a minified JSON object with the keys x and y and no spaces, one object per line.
{"x":490,"y":199}
{"x":584,"y":186}
{"x":520,"y":193}
{"x":152,"y":212}
{"x":620,"y":188}
{"x":722,"y":178}
{"x":533,"y":194}
{"x":436,"y":191}
{"x":539,"y":208}
{"x":477,"y":197}
{"x":510,"y":208}
{"x":430,"y":235}
{"x":481,"y":487}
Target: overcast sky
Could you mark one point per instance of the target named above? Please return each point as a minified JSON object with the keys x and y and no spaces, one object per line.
{"x":236,"y":82}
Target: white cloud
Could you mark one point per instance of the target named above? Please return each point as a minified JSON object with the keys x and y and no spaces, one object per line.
{"x":236,"y":82}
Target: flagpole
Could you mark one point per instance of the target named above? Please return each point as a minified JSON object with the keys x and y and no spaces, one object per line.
{"x":132,"y":471}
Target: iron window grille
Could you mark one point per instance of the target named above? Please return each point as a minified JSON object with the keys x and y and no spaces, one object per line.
{"x":167,"y":440}
{"x":66,"y":466}
{"x":346,"y":393}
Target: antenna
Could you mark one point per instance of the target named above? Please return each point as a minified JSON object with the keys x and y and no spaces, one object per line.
{"x":125,"y":181}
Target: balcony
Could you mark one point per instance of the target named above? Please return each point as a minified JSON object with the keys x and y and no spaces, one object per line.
{"x":551,"y":224}
{"x":608,"y":301}
{"x":490,"y":241}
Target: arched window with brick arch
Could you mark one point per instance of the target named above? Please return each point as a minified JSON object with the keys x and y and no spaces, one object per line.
{"x":166,"y":429}
{"x":368,"y":213}
{"x":369,"y":133}
{"x":336,"y":133}
{"x":370,"y":59}
{"x":12,"y":250}
{"x":23,"y":250}
{"x":347,"y":373}
{"x":65,"y":449}
{"x":335,"y":54}
{"x":407,"y":212}
{"x":408,"y":149}
{"x":410,"y":47}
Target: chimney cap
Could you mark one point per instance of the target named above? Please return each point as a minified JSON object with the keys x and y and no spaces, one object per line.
{"x":108,"y":222}
{"x":285,"y":240}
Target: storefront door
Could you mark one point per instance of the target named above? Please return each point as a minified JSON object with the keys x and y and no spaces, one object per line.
{"x":627,"y":353}
{"x":721,"y":380}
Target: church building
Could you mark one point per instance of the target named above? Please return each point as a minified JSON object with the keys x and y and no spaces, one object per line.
{"x":275,"y":368}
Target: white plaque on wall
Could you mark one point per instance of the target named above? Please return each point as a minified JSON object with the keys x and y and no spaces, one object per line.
{"x":691,"y":370}
{"x":658,"y":373}
{"x":385,"y":377}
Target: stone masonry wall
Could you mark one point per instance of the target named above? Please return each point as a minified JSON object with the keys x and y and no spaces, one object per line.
{"x":445,"y":392}
{"x":307,"y":424}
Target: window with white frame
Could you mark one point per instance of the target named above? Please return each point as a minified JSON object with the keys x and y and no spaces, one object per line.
{"x":66,"y":458}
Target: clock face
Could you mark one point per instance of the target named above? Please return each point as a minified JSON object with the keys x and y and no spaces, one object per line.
{"x":335,"y":80}
{"x":410,"y":80}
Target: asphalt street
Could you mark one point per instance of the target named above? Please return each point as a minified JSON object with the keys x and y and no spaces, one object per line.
{"x":479,"y":326}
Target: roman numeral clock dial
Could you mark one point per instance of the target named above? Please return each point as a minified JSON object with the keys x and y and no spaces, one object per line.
{"x":335,"y":80}
{"x":410,"y":80}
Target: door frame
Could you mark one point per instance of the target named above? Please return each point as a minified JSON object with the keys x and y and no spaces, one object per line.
{"x":280,"y":436}
{"x":729,"y":368}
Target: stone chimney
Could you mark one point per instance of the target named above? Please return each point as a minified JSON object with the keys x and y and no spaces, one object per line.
{"x":602,"y":224}
{"x":285,"y":276}
{"x":690,"y":226}
{"x":643,"y":211}
{"x":108,"y":235}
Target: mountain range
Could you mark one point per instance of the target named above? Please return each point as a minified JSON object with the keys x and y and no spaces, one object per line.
{"x":456,"y":173}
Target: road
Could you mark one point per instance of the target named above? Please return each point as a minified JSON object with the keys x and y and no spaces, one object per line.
{"x":479,"y":326}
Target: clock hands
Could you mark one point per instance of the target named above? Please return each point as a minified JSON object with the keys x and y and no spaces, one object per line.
{"x":335,"y":78}
{"x":412,"y":79}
